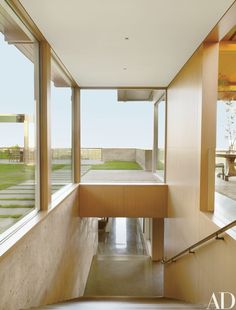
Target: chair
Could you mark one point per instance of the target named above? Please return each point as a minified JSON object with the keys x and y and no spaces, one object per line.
{"x":222,"y":173}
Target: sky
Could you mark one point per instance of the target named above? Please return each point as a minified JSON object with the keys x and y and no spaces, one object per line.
{"x":105,"y":122}
{"x":16,"y":92}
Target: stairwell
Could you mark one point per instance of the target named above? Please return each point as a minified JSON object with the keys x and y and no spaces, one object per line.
{"x":122,"y":275}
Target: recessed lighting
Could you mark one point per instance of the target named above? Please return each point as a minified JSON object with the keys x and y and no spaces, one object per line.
{"x":126,"y":38}
{"x":124,"y":68}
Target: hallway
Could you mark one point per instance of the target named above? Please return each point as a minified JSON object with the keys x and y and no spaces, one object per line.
{"x":122,"y":266}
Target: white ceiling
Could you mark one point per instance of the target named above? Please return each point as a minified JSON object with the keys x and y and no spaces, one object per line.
{"x":89,"y":37}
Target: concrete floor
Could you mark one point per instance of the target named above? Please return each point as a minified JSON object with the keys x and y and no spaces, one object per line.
{"x":225,"y":204}
{"x":121,"y":237}
{"x":226,"y":188}
{"x":122,"y":266}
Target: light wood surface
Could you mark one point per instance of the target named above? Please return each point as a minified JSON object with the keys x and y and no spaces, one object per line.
{"x":224,"y":26}
{"x":157,"y":239}
{"x":76,"y":132}
{"x":105,"y":200}
{"x":210,"y":58}
{"x":195,"y":276}
{"x":44,"y":125}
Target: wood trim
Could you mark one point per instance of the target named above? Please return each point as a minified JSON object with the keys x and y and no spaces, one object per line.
{"x":223,"y":26}
{"x":123,"y":87}
{"x":166,"y":119}
{"x":157,"y":239}
{"x":222,"y":30}
{"x":44,"y":125}
{"x":155,"y":136}
{"x":20,"y":11}
{"x":76,"y":132}
{"x":208,"y":124}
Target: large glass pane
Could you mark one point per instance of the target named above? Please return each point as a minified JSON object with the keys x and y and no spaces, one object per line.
{"x":160,"y":119}
{"x":116,"y":138}
{"x":225,"y":153}
{"x":18,"y":145}
{"x":61,"y":133}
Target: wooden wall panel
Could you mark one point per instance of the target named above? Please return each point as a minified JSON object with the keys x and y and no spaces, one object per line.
{"x":118,"y":200}
{"x":145,"y":200}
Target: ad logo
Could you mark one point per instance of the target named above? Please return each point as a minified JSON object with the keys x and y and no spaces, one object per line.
{"x":222,"y":301}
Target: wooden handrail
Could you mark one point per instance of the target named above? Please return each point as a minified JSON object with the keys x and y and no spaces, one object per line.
{"x":190,"y":249}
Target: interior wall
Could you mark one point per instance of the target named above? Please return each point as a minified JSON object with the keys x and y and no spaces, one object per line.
{"x":51,"y":262}
{"x":211,"y":269}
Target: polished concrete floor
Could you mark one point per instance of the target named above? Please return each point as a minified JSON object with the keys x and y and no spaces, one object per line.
{"x":122,"y":236}
{"x":122,"y":266}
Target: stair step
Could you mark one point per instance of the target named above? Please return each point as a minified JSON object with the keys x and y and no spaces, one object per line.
{"x":122,"y":303}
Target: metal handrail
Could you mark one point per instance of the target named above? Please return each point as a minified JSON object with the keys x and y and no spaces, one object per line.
{"x":190,"y":249}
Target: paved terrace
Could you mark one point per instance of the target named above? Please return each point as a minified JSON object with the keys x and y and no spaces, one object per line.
{"x":119,"y":176}
{"x":19,"y":200}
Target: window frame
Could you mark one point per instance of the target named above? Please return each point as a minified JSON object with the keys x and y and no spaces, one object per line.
{"x":4,"y":6}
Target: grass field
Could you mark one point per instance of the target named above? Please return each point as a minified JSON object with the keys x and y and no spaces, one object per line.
{"x":117,"y":165}
{"x":13,"y":174}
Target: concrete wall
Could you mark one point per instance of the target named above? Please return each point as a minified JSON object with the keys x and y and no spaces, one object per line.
{"x":142,"y":157}
{"x":51,"y":262}
{"x":119,"y":154}
{"x":212,"y":268}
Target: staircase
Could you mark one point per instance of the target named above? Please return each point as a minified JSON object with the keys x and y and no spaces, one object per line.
{"x":120,"y":303}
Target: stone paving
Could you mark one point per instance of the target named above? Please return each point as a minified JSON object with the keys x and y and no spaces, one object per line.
{"x":18,"y":200}
{"x":116,"y":176}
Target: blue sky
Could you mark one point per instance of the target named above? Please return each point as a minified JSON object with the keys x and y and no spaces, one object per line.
{"x":104,"y":121}
{"x":16,"y":91}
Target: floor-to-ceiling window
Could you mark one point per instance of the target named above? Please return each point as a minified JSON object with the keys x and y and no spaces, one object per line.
{"x":116,"y":138}
{"x":61,"y":129}
{"x":225,"y":153}
{"x":18,"y":118}
{"x":159,"y":138}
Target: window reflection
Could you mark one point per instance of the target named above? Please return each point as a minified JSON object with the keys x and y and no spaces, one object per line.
{"x":18,"y":105}
{"x":120,"y":233}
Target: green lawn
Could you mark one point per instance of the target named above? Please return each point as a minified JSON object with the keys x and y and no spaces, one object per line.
{"x":16,"y":206}
{"x":117,"y":165}
{"x":12,"y":174}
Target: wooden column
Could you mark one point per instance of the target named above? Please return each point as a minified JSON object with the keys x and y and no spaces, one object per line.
{"x":76,"y":133}
{"x":157,"y":239}
{"x":208,"y":124}
{"x":44,"y":125}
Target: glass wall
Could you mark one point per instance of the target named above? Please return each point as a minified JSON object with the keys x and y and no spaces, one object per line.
{"x":160,"y":136}
{"x":61,"y":129}
{"x":116,"y":138}
{"x":18,"y":110}
{"x":225,"y":153}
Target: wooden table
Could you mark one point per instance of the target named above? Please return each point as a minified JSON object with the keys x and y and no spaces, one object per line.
{"x":230,"y":161}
